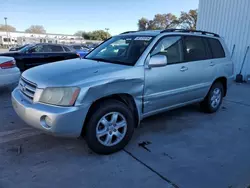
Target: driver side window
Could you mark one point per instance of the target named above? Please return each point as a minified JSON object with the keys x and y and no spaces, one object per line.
{"x":37,"y":48}
{"x":171,"y":47}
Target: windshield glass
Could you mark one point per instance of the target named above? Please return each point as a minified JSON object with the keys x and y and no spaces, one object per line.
{"x":124,"y":50}
{"x":26,"y":48}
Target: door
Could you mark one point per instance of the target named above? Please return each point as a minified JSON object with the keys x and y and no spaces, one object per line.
{"x":34,"y":56}
{"x":201,"y":66}
{"x":181,"y":81}
{"x":164,"y":86}
{"x":54,"y":53}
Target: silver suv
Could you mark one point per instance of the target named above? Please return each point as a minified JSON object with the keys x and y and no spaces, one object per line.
{"x":125,"y":79}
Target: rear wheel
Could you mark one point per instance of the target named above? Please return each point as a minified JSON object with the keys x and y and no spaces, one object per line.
{"x":213,"y":99}
{"x":110,"y":127}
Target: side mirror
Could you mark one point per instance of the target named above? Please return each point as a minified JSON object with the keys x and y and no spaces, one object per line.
{"x":158,"y":61}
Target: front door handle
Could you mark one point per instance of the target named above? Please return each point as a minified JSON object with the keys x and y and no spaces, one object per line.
{"x":183,"y":69}
{"x":211,"y":64}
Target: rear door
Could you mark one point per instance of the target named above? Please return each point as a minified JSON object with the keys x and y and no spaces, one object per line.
{"x":222,"y":64}
{"x":55,"y":53}
{"x":201,"y":69}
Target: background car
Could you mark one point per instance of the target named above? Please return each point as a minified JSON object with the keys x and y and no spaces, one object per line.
{"x":92,"y":46}
{"x":39,"y":54}
{"x":80,"y":49}
{"x":16,"y":48}
{"x":9,"y":73}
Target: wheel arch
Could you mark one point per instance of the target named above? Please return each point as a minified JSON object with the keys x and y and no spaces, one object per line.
{"x":222,"y":80}
{"x":125,"y":98}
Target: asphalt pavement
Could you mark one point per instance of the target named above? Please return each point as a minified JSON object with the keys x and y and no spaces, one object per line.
{"x":180,"y":148}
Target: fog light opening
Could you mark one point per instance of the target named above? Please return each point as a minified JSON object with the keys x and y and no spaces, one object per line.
{"x":46,"y":122}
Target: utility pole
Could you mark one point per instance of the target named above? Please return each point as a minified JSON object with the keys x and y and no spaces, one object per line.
{"x":107,"y":30}
{"x":6,"y":27}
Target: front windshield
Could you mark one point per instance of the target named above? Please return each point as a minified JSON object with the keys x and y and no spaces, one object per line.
{"x":26,"y":48}
{"x":124,"y":50}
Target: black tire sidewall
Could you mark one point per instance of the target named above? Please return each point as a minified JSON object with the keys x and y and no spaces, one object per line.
{"x":104,"y":108}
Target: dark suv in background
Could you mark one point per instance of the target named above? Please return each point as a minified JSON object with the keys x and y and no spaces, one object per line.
{"x":42,"y":53}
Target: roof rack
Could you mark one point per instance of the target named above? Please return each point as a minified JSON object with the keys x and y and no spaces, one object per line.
{"x":190,"y":31}
{"x":128,"y":32}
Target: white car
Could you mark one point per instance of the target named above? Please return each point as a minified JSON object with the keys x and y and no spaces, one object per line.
{"x":9,"y":73}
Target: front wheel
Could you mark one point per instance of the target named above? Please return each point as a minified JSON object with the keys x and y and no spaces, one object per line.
{"x":110,"y":127}
{"x":213,"y":99}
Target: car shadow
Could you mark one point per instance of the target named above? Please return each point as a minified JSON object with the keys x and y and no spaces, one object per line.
{"x":171,"y":121}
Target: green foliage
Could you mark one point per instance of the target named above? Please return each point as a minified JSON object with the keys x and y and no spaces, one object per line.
{"x":94,"y":35}
{"x":187,"y":20}
{"x":9,"y":28}
{"x":79,"y":33}
{"x":39,"y":29}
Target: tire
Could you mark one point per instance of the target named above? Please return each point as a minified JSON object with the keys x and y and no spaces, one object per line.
{"x":105,"y":112}
{"x":208,"y":104}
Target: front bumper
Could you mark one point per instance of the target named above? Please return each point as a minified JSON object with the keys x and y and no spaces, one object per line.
{"x":63,"y":121}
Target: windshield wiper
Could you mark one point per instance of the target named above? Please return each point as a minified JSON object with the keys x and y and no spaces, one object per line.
{"x":109,"y":61}
{"x":98,"y":59}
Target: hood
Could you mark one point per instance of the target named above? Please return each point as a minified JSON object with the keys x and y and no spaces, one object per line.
{"x":69,"y":73}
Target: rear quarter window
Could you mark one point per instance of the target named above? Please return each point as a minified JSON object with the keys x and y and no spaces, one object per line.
{"x":216,"y":48}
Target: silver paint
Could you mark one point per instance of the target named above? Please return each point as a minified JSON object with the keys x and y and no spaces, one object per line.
{"x":153,"y":90}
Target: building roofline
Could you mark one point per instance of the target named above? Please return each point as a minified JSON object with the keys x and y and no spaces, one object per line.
{"x":40,"y":33}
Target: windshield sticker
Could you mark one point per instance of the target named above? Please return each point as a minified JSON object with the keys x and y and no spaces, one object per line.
{"x":143,"y":38}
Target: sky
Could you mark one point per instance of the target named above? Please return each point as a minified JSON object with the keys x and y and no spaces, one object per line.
{"x":69,"y":16}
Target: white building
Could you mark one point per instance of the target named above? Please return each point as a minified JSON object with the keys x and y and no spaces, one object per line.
{"x":18,"y":37}
{"x":231,"y":20}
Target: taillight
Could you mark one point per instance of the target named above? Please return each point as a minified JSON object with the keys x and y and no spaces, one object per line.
{"x":8,"y":64}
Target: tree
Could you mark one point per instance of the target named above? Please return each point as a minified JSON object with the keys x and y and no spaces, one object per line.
{"x":86,"y":35}
{"x":94,"y":35}
{"x":39,"y":29}
{"x":160,"y":21}
{"x":99,"y":35}
{"x":79,"y":33}
{"x":188,"y":20}
{"x":143,"y":24}
{"x":8,"y":28}
{"x":164,"y":21}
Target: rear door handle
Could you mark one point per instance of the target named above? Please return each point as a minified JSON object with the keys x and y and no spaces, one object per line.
{"x":211,"y":64}
{"x":183,"y":69}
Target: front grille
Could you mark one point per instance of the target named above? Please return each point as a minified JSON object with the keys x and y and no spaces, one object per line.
{"x":27,"y":88}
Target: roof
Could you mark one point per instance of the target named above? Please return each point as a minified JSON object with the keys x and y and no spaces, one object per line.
{"x":171,"y":31}
{"x":143,"y":33}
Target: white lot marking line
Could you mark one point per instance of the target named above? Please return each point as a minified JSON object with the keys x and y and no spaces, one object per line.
{"x":19,"y":135}
{"x":3,"y":133}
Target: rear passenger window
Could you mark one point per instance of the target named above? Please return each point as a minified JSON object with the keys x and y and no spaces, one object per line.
{"x":216,"y":48}
{"x":55,"y":48}
{"x":195,"y":49}
{"x":66,"y":49}
{"x":171,"y":47}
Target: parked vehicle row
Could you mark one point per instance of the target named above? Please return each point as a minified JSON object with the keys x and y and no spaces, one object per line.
{"x":82,"y":50}
{"x":31,"y":55}
{"x":39,"y":54}
{"x":129,"y":77}
{"x":9,"y":73}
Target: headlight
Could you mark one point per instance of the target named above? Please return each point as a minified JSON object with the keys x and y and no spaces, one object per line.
{"x":60,"y":96}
